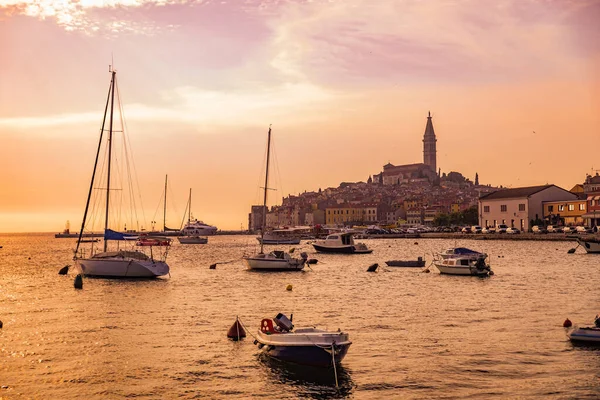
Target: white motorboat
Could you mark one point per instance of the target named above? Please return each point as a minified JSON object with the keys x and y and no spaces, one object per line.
{"x":341,"y":243}
{"x":275,"y":260}
{"x":192,"y":232}
{"x":586,"y":334}
{"x":591,"y":245}
{"x":462,"y":252}
{"x":282,"y":236}
{"x":131,"y":262}
{"x":277,"y":338}
{"x":469,"y":264}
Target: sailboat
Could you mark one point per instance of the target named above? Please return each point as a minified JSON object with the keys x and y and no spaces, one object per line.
{"x":275,"y":260}
{"x":189,"y":234}
{"x":131,"y":262}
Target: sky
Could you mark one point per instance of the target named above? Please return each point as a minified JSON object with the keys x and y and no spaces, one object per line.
{"x":513,"y":87}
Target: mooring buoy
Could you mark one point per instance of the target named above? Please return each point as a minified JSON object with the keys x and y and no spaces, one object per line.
{"x":288,"y":288}
{"x":213,"y":266}
{"x":373,"y":268}
{"x":78,"y":283}
{"x":312,"y":261}
{"x":567,"y":323}
{"x":64,"y":270}
{"x":0,"y":324}
{"x":236,"y":332}
{"x":571,"y":251}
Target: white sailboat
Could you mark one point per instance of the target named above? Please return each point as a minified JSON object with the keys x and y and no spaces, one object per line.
{"x":189,"y":234}
{"x":275,"y":260}
{"x":130,"y":262}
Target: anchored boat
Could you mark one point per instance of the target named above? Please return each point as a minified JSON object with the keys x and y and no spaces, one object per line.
{"x":307,"y":346}
{"x":341,"y":243}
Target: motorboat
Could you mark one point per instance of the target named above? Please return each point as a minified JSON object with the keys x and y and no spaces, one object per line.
{"x":341,"y":243}
{"x":133,"y":256}
{"x":196,"y":227}
{"x":282,"y":236}
{"x":277,"y":260}
{"x":586,"y":334}
{"x":192,"y":239}
{"x":591,"y":245}
{"x":462,"y":252}
{"x":277,"y":338}
{"x":418,"y":263}
{"x":463,"y":265}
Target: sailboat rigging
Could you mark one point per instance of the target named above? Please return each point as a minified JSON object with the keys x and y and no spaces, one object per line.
{"x":130,"y":263}
{"x":276,"y":260}
{"x":189,"y":234}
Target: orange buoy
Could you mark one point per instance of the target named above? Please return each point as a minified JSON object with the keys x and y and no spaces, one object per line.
{"x":567,"y":323}
{"x":236,"y":332}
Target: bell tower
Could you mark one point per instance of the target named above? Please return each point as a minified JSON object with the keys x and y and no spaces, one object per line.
{"x":429,"y":150}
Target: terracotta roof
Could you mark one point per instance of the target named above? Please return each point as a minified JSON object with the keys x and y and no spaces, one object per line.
{"x":515,"y":193}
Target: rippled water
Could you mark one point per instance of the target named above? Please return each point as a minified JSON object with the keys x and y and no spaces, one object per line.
{"x":415,"y":335}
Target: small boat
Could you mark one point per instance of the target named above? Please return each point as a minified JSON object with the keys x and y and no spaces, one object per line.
{"x":341,"y":243}
{"x":591,"y":245}
{"x":418,"y":263}
{"x":196,"y":227}
{"x":307,"y":346}
{"x":586,"y":334}
{"x":276,"y":260}
{"x":280,"y":236}
{"x":463,"y":265}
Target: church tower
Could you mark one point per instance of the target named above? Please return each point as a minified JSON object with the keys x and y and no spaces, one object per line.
{"x":429,"y":152}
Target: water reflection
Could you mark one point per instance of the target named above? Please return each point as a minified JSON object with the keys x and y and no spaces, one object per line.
{"x":310,"y":382}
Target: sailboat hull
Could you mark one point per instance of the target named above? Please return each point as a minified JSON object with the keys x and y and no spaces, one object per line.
{"x":123,"y":268}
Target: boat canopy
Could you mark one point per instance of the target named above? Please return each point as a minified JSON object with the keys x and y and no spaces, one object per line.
{"x":464,"y":250}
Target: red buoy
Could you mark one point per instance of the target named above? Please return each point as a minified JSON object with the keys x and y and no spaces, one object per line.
{"x":236,"y":332}
{"x":567,"y":323}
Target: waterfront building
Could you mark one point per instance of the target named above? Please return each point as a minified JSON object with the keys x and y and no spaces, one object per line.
{"x":564,"y":212}
{"x":518,"y":207}
{"x":591,"y":189}
{"x":255,"y":218}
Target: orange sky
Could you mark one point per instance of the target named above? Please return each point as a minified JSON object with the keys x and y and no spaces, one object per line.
{"x":513,"y":87}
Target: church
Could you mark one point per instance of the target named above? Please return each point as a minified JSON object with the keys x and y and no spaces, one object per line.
{"x":397,"y":174}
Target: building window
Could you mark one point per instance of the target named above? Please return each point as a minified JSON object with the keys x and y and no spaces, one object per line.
{"x":521,"y":207}
{"x":503,"y":207}
{"x":329,"y":212}
{"x":561,"y":207}
{"x":486,"y":208}
{"x":571,"y":207}
{"x":582,"y":207}
{"x":550,"y":208}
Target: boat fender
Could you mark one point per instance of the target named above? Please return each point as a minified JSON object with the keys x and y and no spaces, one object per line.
{"x":78,"y":283}
{"x":236,"y":332}
{"x":567,"y":323}
{"x":312,"y":261}
{"x":64,"y":270}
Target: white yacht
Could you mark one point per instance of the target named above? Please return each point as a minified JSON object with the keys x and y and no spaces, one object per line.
{"x":195,"y":227}
{"x":341,"y":243}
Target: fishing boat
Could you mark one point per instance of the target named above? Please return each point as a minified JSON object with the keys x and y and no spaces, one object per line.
{"x":586,"y":334}
{"x":190,"y":234}
{"x":591,"y":245}
{"x":341,"y":243}
{"x":129,"y":258}
{"x":275,"y":260}
{"x":418,"y":263}
{"x":277,"y":338}
{"x":463,"y":265}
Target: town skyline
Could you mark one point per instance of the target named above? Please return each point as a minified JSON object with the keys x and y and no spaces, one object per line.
{"x":513,"y":89}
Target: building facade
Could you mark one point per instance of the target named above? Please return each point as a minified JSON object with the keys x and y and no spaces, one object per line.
{"x":518,"y":207}
{"x":566,"y":212}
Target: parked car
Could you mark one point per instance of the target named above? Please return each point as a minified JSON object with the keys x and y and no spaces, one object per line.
{"x":568,"y":229}
{"x":475,"y":229}
{"x":488,"y":230}
{"x":554,"y":229}
{"x":513,"y":231}
{"x":539,"y":229}
{"x":583,"y":229}
{"x":466,"y":229}
{"x":501,"y":228}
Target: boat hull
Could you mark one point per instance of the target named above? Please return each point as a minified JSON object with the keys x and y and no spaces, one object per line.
{"x":122,"y":268}
{"x":590,"y":246}
{"x":585,"y":334}
{"x":407,"y":264}
{"x":192,"y":240}
{"x":340,"y":249}
{"x":278,"y":241}
{"x":307,"y":355}
{"x":273,"y":264}
{"x":461,"y":270}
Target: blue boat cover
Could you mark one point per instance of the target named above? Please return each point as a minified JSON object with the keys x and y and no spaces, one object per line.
{"x":464,"y":250}
{"x":109,"y":234}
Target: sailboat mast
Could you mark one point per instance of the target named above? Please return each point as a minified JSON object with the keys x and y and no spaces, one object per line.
{"x":264,"y":224}
{"x":87,"y":204}
{"x":190,"y":207}
{"x":110,"y":132}
{"x":165,"y":209}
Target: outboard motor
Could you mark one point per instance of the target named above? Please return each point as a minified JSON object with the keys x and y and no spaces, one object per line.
{"x":283,"y":323}
{"x":304,"y":255}
{"x":597,"y":321}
